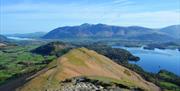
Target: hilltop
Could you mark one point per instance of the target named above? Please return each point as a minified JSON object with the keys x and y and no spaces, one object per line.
{"x":52,"y":48}
{"x":87,"y":63}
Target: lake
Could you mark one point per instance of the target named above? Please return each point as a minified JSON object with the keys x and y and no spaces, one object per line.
{"x":19,"y":38}
{"x":154,"y":60}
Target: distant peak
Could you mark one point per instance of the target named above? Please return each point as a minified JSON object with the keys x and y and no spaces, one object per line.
{"x":85,"y":24}
{"x":100,"y":24}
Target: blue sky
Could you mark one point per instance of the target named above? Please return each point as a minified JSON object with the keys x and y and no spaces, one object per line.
{"x":25,"y":16}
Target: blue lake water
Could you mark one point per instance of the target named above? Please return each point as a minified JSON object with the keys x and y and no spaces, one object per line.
{"x":154,"y":60}
{"x":18,"y":38}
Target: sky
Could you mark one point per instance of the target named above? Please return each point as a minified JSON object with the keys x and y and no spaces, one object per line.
{"x":26,"y":16}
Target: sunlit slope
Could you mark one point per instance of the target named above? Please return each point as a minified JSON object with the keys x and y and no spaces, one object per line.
{"x":84,"y":62}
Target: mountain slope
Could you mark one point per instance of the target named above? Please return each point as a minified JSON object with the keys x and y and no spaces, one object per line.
{"x":4,"y":39}
{"x":96,"y":30}
{"x":154,"y":37}
{"x":173,"y":31}
{"x":88,"y":63}
{"x":110,"y":31}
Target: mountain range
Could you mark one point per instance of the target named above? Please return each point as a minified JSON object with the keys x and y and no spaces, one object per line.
{"x":27,"y":35}
{"x":109,"y":31}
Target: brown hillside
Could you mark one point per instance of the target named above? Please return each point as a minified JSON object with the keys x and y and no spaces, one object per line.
{"x":84,"y":62}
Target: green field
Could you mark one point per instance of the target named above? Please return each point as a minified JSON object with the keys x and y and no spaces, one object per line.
{"x":18,"y":60}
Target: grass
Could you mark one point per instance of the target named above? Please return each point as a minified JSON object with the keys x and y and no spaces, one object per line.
{"x":74,"y":58}
{"x":112,"y":80}
{"x":166,"y":75}
{"x":11,"y":57}
{"x":169,"y":86}
{"x":127,"y":72}
{"x":105,"y":79}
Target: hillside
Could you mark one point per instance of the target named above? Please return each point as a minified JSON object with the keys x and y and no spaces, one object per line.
{"x":96,"y":30}
{"x":110,"y":31}
{"x":4,"y":39}
{"x":52,"y":48}
{"x":153,"y":37}
{"x":87,"y":63}
{"x":173,"y":31}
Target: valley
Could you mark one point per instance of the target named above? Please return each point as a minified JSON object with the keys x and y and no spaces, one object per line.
{"x":76,"y":54}
{"x":89,"y":45}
